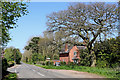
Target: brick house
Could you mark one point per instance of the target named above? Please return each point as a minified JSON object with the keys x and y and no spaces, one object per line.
{"x":70,"y":54}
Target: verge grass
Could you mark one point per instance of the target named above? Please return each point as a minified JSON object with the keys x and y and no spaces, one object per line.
{"x":105,"y":72}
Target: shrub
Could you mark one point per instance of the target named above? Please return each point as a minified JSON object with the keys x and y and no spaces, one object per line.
{"x":13,"y":53}
{"x":43,"y":63}
{"x":84,"y":58}
{"x":49,"y":62}
{"x":18,"y":61}
{"x":11,"y":76}
{"x":70,"y":64}
{"x":40,"y":62}
{"x":4,"y":65}
{"x":37,"y":62}
{"x":62,"y":63}
{"x":101,"y":63}
{"x":108,"y":51}
{"x":11,"y":63}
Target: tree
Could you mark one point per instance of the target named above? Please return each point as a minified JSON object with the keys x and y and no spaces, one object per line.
{"x":86,"y":21}
{"x":27,"y":56}
{"x":40,"y":48}
{"x":33,"y":45}
{"x":108,"y":52}
{"x":17,"y":55}
{"x":11,"y":12}
{"x":12,"y":54}
{"x":9,"y":55}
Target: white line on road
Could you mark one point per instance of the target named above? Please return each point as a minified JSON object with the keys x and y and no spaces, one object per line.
{"x":40,"y":74}
{"x":33,"y":70}
{"x":26,"y":66}
{"x":15,"y":71}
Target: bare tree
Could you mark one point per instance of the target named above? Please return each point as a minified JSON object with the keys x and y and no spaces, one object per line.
{"x":86,"y":21}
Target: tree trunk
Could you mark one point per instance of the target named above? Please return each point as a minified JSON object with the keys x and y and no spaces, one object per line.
{"x":93,"y":59}
{"x":93,"y":56}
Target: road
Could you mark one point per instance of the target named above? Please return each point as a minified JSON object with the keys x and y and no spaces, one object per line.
{"x":30,"y":71}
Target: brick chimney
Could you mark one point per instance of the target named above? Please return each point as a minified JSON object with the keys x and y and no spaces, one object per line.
{"x":66,"y":47}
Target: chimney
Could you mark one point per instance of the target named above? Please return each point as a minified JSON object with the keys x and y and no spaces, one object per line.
{"x":66,"y":47}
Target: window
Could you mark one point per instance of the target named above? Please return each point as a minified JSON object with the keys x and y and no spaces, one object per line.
{"x":75,"y":53}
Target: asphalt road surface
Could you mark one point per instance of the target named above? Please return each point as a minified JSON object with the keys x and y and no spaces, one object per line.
{"x":30,"y":71}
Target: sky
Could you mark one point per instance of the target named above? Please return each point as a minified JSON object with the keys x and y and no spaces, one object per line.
{"x":34,"y":23}
{"x":73,"y":0}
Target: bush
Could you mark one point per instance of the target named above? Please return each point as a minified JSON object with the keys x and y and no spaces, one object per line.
{"x":49,"y":62}
{"x":40,"y":62}
{"x":11,"y":63}
{"x":70,"y":64}
{"x":84,"y":58}
{"x":62,"y":63}
{"x":4,"y":65}
{"x":37,"y":62}
{"x":18,"y":61}
{"x":107,"y":52}
{"x":11,"y":76}
{"x":101,"y":63}
{"x":13,"y":53}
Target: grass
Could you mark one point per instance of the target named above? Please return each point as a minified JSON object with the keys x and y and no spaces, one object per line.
{"x":9,"y":76}
{"x":105,"y":72}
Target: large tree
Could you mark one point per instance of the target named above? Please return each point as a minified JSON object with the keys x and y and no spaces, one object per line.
{"x":33,"y":45}
{"x":10,"y":13}
{"x":86,"y":21}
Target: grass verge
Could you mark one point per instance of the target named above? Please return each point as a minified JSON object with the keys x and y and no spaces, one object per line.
{"x":105,"y":72}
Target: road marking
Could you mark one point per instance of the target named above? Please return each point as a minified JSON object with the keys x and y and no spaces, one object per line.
{"x":40,"y":74}
{"x":15,"y":71}
{"x":33,"y":70}
{"x":26,"y":66}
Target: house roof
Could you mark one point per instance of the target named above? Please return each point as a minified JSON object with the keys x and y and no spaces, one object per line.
{"x":69,"y":48}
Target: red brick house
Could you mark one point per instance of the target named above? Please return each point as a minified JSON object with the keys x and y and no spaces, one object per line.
{"x":70,"y":54}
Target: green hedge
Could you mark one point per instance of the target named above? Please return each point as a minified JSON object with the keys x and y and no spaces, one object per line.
{"x":62,"y":63}
{"x":49,"y":62}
